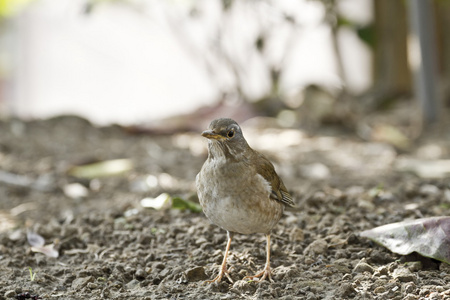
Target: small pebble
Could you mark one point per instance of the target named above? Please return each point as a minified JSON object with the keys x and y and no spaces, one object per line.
{"x":403,"y":275}
{"x":164,"y":273}
{"x":434,"y":296}
{"x":383,"y":270}
{"x":92,"y":285}
{"x":362,"y":267}
{"x":140,"y":273}
{"x":10,"y":294}
{"x":311,"y":296}
{"x":340,"y":254}
{"x":133,"y":283}
{"x":346,"y":290}
{"x":379,"y":290}
{"x":317,"y":247}
{"x":150,"y":258}
{"x":245,"y":286}
{"x":80,"y":283}
{"x":429,"y":189}
{"x":309,"y":260}
{"x":347,"y":277}
{"x":296,"y":235}
{"x":195,"y":274}
{"x":414,"y":266}
{"x":200,"y":241}
{"x":159,"y":265}
{"x":408,"y":288}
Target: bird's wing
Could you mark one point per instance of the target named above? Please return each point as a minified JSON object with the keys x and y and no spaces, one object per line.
{"x":279,"y":191}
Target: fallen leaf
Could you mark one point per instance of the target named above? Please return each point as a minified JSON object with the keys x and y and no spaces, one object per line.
{"x":429,"y":237}
{"x":102,"y":169}
{"x":48,"y":250}
{"x":24,"y":207}
{"x":34,"y":239}
{"x":425,"y":168}
{"x":182,"y":204}
{"x":43,"y":183}
{"x":391,"y":135}
{"x":37,"y":243}
{"x":75,"y":190}
{"x":166,"y":201}
{"x":156,"y":203}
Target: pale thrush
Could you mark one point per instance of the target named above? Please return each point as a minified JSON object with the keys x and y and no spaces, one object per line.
{"x":239,"y":189}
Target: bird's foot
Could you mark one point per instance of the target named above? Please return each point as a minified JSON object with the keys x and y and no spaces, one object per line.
{"x":266,"y":273}
{"x":223,"y":271}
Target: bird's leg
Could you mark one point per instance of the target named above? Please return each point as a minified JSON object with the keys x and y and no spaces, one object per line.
{"x":266,"y":272}
{"x":223,"y":267}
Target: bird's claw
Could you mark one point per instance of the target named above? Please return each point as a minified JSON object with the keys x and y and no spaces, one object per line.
{"x":266,"y":273}
{"x":218,"y":278}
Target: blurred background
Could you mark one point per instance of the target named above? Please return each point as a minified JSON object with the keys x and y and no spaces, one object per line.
{"x":306,"y":62}
{"x":349,"y":99}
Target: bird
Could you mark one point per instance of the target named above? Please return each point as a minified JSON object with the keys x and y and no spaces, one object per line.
{"x":239,"y":190}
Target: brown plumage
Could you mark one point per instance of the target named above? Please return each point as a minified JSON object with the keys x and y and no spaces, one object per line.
{"x":239,"y":189}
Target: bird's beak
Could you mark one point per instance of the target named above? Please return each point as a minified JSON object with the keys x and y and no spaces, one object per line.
{"x":209,"y":134}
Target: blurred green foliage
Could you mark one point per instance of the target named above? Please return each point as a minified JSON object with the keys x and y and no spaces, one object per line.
{"x":183,"y":204}
{"x":9,"y":8}
{"x":365,"y":32}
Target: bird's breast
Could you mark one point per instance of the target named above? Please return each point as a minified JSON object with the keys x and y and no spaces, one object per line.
{"x":236,"y":198}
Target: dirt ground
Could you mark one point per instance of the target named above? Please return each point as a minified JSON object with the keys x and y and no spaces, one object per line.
{"x":110,"y":247}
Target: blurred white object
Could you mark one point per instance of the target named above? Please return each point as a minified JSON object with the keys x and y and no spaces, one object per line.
{"x":122,"y":65}
{"x":75,"y":190}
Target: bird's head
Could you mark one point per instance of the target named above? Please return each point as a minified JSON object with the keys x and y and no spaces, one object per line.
{"x":225,"y":138}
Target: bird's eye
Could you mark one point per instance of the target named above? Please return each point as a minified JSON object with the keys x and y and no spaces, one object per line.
{"x":230,"y":133}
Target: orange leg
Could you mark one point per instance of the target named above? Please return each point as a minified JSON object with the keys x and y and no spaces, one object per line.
{"x":266,"y":272}
{"x":223,"y":267}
